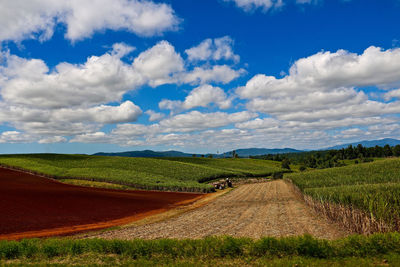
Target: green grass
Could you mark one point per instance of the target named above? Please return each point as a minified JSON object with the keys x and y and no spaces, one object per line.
{"x":383,"y":171}
{"x":142,"y":173}
{"x":371,"y":187}
{"x":92,"y":259}
{"x":372,"y":249}
{"x":241,"y":167}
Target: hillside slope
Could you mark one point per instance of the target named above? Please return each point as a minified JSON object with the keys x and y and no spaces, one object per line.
{"x":142,"y":173}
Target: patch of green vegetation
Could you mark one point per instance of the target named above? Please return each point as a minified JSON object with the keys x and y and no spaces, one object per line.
{"x":303,"y":250}
{"x":371,"y":187}
{"x":239,"y":166}
{"x":93,"y":259}
{"x":382,"y":171}
{"x":380,"y":200}
{"x":96,"y":184}
{"x":142,"y":173}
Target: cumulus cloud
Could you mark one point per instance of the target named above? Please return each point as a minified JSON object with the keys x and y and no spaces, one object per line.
{"x":126,"y":112}
{"x":218,"y":74}
{"x":53,"y":139}
{"x":154,"y":116}
{"x":173,"y":105}
{"x":195,"y":120}
{"x":21,"y":19}
{"x":267,"y":5}
{"x":78,"y":99}
{"x":213,"y":49}
{"x":101,"y":79}
{"x":159,"y":63}
{"x":249,"y":5}
{"x":325,"y":86}
{"x":201,"y":96}
{"x":392,"y":94}
{"x":122,"y":49}
{"x":97,"y":137}
{"x":15,"y":137}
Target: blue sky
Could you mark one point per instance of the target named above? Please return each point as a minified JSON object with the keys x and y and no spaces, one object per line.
{"x":197,"y":76}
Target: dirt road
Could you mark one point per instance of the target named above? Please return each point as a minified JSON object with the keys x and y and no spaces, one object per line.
{"x":252,"y":210}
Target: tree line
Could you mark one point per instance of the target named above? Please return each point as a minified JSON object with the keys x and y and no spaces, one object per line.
{"x":333,"y":158}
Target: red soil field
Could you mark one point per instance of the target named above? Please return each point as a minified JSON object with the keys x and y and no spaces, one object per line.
{"x":34,"y":206}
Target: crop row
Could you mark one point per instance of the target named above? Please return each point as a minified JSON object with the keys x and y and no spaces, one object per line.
{"x":364,"y":198}
{"x":141,"y":173}
{"x":383,"y":171}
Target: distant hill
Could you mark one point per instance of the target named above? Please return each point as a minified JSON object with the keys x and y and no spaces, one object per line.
{"x":159,"y":154}
{"x":371,"y":143}
{"x":246,"y":152}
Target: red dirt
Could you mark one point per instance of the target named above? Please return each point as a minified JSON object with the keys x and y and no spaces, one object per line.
{"x":33,"y":206}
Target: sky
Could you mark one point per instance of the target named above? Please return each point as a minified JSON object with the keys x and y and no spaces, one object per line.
{"x":199,"y":76}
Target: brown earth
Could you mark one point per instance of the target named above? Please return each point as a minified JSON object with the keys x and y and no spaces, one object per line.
{"x":33,"y":206}
{"x":252,"y":210}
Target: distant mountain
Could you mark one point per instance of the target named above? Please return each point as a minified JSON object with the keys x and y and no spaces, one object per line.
{"x":371,"y":143}
{"x":158,"y":154}
{"x":246,"y":152}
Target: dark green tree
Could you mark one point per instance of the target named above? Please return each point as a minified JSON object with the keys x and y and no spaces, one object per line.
{"x":387,"y":151}
{"x":396,"y":151}
{"x":285,"y":164}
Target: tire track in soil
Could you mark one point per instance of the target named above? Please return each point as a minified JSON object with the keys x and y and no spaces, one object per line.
{"x":251,"y":210}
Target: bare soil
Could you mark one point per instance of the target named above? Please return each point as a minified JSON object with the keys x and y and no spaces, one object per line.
{"x":34,"y":206}
{"x":252,"y":210}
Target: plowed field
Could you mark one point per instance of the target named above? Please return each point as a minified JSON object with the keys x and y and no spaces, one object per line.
{"x":33,"y":206}
{"x":252,"y":210}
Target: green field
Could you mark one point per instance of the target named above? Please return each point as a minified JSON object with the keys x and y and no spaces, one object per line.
{"x":177,"y":174}
{"x":212,"y":251}
{"x":371,"y":187}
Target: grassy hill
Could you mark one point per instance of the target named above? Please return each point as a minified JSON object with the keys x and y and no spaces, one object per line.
{"x":373,"y":188}
{"x":176,"y":174}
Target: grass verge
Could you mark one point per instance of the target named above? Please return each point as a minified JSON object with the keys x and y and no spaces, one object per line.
{"x":207,"y":250}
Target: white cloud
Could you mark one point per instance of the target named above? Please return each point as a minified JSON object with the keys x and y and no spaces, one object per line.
{"x":267,"y":5}
{"x":134,"y":130}
{"x":97,"y":137}
{"x":15,"y":137}
{"x":392,"y":94}
{"x":213,"y":49}
{"x":101,"y":79}
{"x":126,"y":112}
{"x":218,"y":74}
{"x":53,"y":139}
{"x":249,"y":5}
{"x":55,"y":128}
{"x":258,"y":124}
{"x":159,"y":63}
{"x":325,"y":86}
{"x":122,"y":49}
{"x":154,"y":116}
{"x":201,"y":96}
{"x":204,"y":95}
{"x":173,"y":105}
{"x":21,"y":19}
{"x":195,"y":120}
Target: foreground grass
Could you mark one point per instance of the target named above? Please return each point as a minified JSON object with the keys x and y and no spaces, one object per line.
{"x":142,"y":173}
{"x":92,"y":259}
{"x":370,"y":187}
{"x":377,"y":248}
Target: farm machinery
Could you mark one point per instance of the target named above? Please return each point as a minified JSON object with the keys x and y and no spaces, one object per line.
{"x":222,"y":184}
